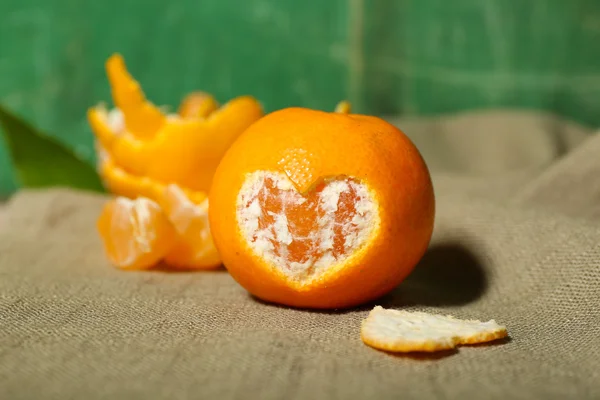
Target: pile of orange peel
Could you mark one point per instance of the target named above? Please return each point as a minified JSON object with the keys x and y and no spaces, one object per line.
{"x":159,"y":167}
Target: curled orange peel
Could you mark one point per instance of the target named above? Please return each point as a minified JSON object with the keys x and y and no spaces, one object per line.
{"x":154,"y":149}
{"x":144,"y":152}
{"x":142,"y":118}
{"x":183,"y":151}
{"x":197,"y":105}
{"x":120,"y":182}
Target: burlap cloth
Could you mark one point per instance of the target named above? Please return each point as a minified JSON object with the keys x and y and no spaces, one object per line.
{"x":516,"y":239}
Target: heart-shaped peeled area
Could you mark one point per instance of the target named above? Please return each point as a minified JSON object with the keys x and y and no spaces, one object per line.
{"x":305,"y":234}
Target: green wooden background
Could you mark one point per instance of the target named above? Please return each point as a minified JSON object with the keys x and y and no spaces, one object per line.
{"x":386,"y":56}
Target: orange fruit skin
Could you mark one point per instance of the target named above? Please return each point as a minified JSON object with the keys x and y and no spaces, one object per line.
{"x":309,"y":146}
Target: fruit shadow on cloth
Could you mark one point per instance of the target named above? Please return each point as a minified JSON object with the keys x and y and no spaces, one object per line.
{"x":449,"y":274}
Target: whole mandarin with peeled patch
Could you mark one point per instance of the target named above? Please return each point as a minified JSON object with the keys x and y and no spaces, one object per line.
{"x":321,"y":210}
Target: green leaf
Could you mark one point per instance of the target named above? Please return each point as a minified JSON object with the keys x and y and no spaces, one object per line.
{"x":41,"y":161}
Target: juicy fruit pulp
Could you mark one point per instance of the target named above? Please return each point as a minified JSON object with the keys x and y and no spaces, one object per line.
{"x":140,"y":233}
{"x":304,"y":234}
{"x":194,"y":247}
{"x":136,"y":233}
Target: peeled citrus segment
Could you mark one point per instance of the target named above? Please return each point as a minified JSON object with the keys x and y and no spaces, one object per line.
{"x":343,"y":107}
{"x":403,"y":331}
{"x":194,"y":248}
{"x":136,"y":233}
{"x":197,"y":105}
{"x":303,"y":235}
{"x":142,"y":118}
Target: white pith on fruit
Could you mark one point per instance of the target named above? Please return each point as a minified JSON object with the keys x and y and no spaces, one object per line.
{"x":272,"y":217}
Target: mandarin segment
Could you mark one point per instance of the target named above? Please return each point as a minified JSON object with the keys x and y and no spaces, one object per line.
{"x":321,"y":210}
{"x":136,"y":233}
{"x":194,"y":248}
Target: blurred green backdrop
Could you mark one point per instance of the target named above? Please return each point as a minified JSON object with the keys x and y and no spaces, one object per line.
{"x":385,"y":56}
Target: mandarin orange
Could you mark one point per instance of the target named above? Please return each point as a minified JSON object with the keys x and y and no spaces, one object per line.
{"x":321,"y":210}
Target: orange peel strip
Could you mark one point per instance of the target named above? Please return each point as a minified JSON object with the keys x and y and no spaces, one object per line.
{"x":403,"y":331}
{"x":197,"y":105}
{"x":186,"y":151}
{"x":122,"y":183}
{"x":98,"y":120}
{"x":142,"y":118}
